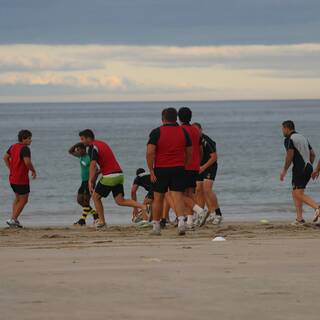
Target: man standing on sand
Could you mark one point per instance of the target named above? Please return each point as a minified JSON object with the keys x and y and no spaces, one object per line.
{"x":191,"y":169}
{"x":206,"y":178}
{"x":83,"y":198}
{"x":18,"y":161}
{"x":301,"y":155}
{"x":112,"y":176}
{"x":169,"y":149}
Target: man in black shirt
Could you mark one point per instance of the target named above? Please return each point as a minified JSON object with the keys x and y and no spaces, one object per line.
{"x":206,"y":178}
{"x":143,"y":180}
{"x":301,"y":155}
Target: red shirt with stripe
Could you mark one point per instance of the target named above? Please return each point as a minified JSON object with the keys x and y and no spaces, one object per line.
{"x":195,"y":137}
{"x":103,"y":154}
{"x":171,"y":141}
{"x":19,"y":173}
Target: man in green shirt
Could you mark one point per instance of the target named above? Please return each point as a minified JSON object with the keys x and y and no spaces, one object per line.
{"x":83,"y":198}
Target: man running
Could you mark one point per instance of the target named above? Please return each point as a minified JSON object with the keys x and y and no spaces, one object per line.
{"x":206,"y":178}
{"x":192,"y":169}
{"x":143,"y":180}
{"x":18,"y":161}
{"x":301,"y":155}
{"x":79,"y":151}
{"x":169,"y":149}
{"x":112,"y":176}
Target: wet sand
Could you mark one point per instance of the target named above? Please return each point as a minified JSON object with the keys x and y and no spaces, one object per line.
{"x":259,"y":272}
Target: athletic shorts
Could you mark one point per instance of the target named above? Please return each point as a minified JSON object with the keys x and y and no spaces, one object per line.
{"x":172,"y":179}
{"x":191,"y":177}
{"x":21,"y":189}
{"x":209,"y":174}
{"x":107,"y":185}
{"x":302,"y":178}
{"x":84,"y":188}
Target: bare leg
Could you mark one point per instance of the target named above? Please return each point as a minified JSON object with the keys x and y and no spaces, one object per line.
{"x":99,"y":207}
{"x":210,"y":196}
{"x":166,"y":208}
{"x":121,"y":201}
{"x":178,"y":200}
{"x":200,"y":199}
{"x":298,"y":205}
{"x":157,"y":206}
{"x":20,"y":203}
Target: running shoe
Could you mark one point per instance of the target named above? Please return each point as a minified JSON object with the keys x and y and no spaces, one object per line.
{"x":182,"y":230}
{"x":316,"y":215}
{"x":217,"y":220}
{"x":211,"y":218}
{"x":298,"y":223}
{"x":81,"y":222}
{"x":14,"y":223}
{"x":101,"y":226}
{"x":204,"y":218}
{"x":155,"y":232}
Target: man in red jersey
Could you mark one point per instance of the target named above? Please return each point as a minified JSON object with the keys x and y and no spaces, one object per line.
{"x":191,"y":169}
{"x":169,"y":149}
{"x":18,"y":161}
{"x":112,"y":176}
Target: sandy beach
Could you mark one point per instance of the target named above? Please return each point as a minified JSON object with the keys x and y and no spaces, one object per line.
{"x":259,"y":272}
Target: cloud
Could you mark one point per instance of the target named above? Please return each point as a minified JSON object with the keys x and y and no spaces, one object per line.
{"x":200,"y":72}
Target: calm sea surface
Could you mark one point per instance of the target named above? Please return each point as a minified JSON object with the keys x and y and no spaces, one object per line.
{"x":248,"y":137}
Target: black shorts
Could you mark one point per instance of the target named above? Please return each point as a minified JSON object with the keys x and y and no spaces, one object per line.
{"x":172,"y":179}
{"x":84,"y":188}
{"x":104,"y":191}
{"x":209,"y":174}
{"x":191,"y":179}
{"x":21,"y":189}
{"x":300,"y":179}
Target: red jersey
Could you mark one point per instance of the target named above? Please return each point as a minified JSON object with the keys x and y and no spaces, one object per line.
{"x":19,"y":173}
{"x":102,"y":153}
{"x":171,"y":141}
{"x":195,"y":137}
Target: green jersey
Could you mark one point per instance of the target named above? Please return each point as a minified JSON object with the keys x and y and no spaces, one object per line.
{"x":85,"y":167}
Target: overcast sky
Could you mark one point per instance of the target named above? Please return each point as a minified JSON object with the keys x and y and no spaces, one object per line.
{"x":159,"y":49}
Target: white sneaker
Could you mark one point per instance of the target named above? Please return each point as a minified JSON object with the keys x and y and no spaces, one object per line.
{"x":211,"y":218}
{"x":14,"y":223}
{"x":203,"y":218}
{"x":298,"y":223}
{"x":155,"y":232}
{"x":217,"y":220}
{"x":316,"y":215}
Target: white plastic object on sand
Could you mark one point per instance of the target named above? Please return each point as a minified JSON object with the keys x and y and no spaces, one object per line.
{"x":219,"y":238}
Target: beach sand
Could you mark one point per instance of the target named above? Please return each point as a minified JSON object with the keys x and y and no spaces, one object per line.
{"x":260,"y":272}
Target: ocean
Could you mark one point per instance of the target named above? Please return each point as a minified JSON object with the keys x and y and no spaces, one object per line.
{"x":249,"y":144}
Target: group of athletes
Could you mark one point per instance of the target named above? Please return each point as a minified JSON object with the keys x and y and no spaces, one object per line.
{"x":182,"y":166}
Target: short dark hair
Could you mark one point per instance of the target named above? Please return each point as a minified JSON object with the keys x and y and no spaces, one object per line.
{"x":185,"y":114}
{"x":289,"y":124}
{"x":140,"y":170}
{"x":197,"y":124}
{"x":24,"y":134}
{"x":170,"y":115}
{"x":88,"y":133}
{"x":81,"y":146}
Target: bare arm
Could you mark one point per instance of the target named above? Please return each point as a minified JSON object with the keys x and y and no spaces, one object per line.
{"x":213,"y":159}
{"x":92,"y":174}
{"x":6,"y":159}
{"x":73,"y":150}
{"x":150,"y":157}
{"x":30,"y":166}
{"x":287,"y":163}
